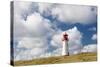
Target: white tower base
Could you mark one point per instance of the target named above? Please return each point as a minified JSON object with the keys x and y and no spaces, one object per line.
{"x":65,"y":48}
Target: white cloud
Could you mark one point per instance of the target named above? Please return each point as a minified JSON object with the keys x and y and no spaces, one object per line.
{"x":90,"y":48}
{"x":29,"y":42}
{"x":70,"y":13}
{"x":31,"y":36}
{"x":34,"y":48}
{"x":30,"y":54}
{"x":21,"y":7}
{"x":56,"y":52}
{"x":44,"y":8}
{"x":38,"y":25}
{"x":56,"y":39}
{"x":94,"y":37}
{"x":75,"y":44}
{"x":74,"y":14}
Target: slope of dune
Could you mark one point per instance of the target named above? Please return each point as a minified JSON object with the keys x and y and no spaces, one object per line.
{"x":83,"y":57}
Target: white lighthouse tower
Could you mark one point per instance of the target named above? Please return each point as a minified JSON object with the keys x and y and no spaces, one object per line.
{"x":65,"y":51}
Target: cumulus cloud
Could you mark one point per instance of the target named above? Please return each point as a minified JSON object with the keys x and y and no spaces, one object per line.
{"x":90,"y":48}
{"x":70,"y":13}
{"x":30,"y":35}
{"x":35,"y":44}
{"x":44,"y":8}
{"x":22,"y":9}
{"x":74,"y":14}
{"x":75,"y":44}
{"x":29,"y":42}
{"x":22,"y":5}
{"x":31,"y":47}
{"x":56,"y":39}
{"x":38,"y":25}
{"x":94,"y":37}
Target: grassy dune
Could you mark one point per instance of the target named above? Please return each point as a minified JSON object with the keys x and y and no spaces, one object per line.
{"x":83,"y":57}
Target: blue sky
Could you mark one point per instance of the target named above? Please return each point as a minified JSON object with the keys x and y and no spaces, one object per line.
{"x":38,"y":28}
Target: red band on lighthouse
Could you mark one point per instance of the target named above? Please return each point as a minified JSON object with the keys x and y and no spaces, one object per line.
{"x":65,"y":36}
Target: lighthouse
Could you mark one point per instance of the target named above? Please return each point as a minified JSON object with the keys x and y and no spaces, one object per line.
{"x":65,"y":51}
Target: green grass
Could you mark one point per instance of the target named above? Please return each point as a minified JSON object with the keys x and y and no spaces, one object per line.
{"x":83,"y":57}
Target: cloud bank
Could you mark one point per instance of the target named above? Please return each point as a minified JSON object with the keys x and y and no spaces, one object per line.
{"x":90,"y":48}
